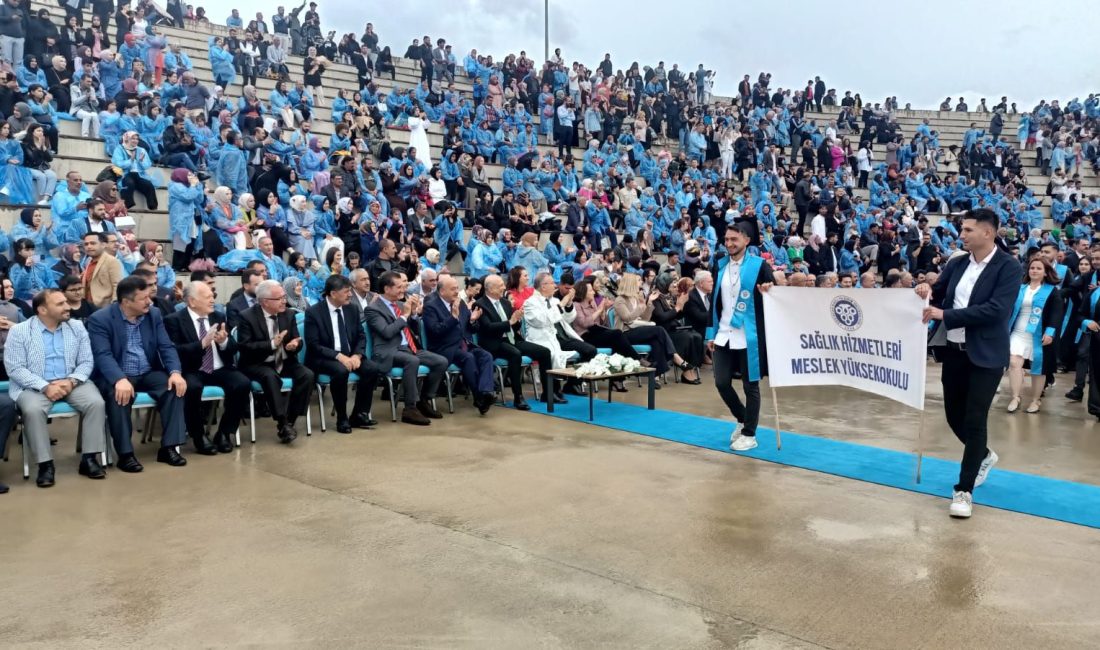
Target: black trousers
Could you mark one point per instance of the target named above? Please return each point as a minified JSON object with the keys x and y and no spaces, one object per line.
{"x":803,"y":212}
{"x":364,"y":395}
{"x":514,"y":353}
{"x":658,"y":339}
{"x":727,"y":362}
{"x":605,"y":337}
{"x":1081,"y":360}
{"x":284,"y":409}
{"x":968,"y":392}
{"x":236,"y":387}
{"x":132,"y":182}
{"x":1092,"y":354}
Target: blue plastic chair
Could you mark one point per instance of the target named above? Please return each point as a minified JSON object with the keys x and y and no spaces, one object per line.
{"x":394,"y":373}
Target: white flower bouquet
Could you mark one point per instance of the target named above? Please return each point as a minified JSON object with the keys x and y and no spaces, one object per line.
{"x":602,"y":365}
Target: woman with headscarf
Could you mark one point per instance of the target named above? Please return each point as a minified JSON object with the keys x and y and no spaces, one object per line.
{"x":153,"y":253}
{"x":295,"y":295}
{"x":107,"y":193}
{"x":186,"y":199}
{"x":314,"y":68}
{"x":313,"y":165}
{"x":60,"y":82}
{"x":32,"y":226}
{"x":39,"y":28}
{"x":69,"y":264}
{"x":28,"y":274}
{"x":250,"y":109}
{"x":231,"y":166}
{"x":221,"y":62}
{"x":668,"y":312}
{"x":272,"y":219}
{"x":135,"y":163}
{"x":230,"y":225}
{"x":16,"y":182}
{"x":28,"y":73}
{"x":300,"y":224}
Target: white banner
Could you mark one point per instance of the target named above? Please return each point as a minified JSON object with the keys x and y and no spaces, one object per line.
{"x":870,"y":339}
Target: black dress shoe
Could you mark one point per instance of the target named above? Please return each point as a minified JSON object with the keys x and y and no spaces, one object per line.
{"x":129,"y":463}
{"x":204,"y":447}
{"x":362,"y":421}
{"x":169,"y":456}
{"x":343,"y":426}
{"x":90,"y":467}
{"x":223,"y":443}
{"x":693,"y":382}
{"x":45,"y":475}
{"x":413,"y":416}
{"x":485,"y":402}
{"x":287,"y":434}
{"x":520,"y":404}
{"x":3,"y":488}
{"x":618,"y":386}
{"x":428,"y":411}
{"x":1075,"y":394}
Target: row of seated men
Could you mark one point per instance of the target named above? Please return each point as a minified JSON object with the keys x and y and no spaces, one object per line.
{"x":131,"y":347}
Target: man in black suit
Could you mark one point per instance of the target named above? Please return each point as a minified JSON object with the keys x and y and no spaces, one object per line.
{"x":269,"y":342}
{"x":337,"y":346}
{"x":207,"y":357}
{"x":973,"y":299}
{"x":245,"y":298}
{"x":697,"y":309}
{"x":499,"y":334}
{"x":447,"y":324}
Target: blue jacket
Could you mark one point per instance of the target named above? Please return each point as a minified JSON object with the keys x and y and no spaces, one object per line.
{"x":107,"y":331}
{"x":445,"y":333}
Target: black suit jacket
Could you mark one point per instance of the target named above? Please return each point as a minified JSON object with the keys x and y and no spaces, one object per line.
{"x":492,"y":332}
{"x":254,"y":342}
{"x":182,"y":331}
{"x":320,"y":343}
{"x":988,"y":314}
{"x":237,"y":304}
{"x":696,"y":313}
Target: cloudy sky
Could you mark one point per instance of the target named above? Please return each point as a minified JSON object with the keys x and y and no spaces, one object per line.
{"x":919,"y":51}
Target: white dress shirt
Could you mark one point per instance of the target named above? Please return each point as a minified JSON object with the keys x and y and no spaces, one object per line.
{"x":817,"y":226}
{"x":963,"y":290}
{"x":728,"y":335}
{"x":332,"y":311}
{"x":218,"y":363}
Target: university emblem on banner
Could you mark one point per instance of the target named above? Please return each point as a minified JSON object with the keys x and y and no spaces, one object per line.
{"x":847,"y":313}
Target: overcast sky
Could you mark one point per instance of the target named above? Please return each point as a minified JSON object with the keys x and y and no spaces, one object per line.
{"x":919,"y":51}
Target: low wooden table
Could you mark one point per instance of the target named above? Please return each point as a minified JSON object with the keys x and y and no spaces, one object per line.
{"x":590,"y":383}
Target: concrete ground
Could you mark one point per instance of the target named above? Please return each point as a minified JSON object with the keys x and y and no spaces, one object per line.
{"x":521,"y":530}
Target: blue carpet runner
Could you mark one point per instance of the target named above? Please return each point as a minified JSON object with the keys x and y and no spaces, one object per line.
{"x":1075,"y":503}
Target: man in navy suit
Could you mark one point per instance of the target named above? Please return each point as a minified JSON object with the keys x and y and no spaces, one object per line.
{"x":973,"y":299}
{"x":447,"y":324}
{"x":336,"y":345}
{"x":134,"y":354}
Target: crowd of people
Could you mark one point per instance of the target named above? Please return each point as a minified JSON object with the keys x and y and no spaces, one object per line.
{"x":637,"y":177}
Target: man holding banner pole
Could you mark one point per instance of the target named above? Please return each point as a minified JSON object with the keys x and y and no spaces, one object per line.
{"x":973,"y":299}
{"x":736,"y":332}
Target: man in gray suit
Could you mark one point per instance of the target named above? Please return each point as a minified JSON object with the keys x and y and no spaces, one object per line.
{"x":49,"y":359}
{"x":392,"y":324}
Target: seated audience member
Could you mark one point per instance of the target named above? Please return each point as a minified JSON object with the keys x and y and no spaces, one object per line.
{"x":392,"y":321}
{"x":207,"y":354}
{"x":49,"y":359}
{"x":448,"y":325}
{"x":269,"y":342}
{"x":336,"y":346}
{"x":134,"y":354}
{"x":102,"y":273}
{"x":500,"y":334}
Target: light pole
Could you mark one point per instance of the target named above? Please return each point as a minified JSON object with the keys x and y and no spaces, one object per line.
{"x":546,"y":26}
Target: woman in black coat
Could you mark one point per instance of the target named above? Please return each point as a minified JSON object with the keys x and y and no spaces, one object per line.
{"x":668,"y":312}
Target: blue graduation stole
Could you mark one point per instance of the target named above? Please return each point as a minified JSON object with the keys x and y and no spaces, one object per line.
{"x":1060,"y":269}
{"x":1034,"y":323}
{"x":744,"y":311}
{"x":1093,"y":299}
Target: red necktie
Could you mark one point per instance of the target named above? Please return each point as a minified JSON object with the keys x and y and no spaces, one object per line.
{"x":408,"y":333}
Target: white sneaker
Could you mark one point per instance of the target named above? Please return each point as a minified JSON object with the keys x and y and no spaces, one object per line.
{"x":743,"y":443}
{"x":962,"y":504}
{"x":987,"y":464}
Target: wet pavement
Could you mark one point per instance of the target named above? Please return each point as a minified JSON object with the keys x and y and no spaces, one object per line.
{"x":521,"y":530}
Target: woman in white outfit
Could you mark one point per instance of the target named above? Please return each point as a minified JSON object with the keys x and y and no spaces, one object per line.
{"x":1036,"y":321}
{"x":725,"y":148}
{"x":418,"y":136}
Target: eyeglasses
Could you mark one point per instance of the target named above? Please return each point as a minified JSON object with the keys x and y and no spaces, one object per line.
{"x":279,"y":299}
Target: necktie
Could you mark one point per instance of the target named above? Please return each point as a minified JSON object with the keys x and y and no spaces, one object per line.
{"x":504,"y":318}
{"x":280,"y":353}
{"x":345,"y":348}
{"x":208,"y":353}
{"x":406,"y":332}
